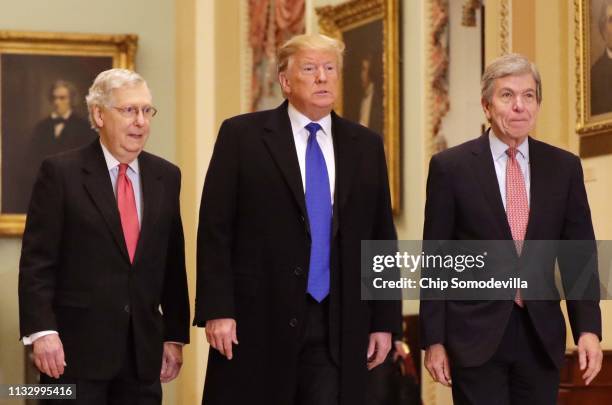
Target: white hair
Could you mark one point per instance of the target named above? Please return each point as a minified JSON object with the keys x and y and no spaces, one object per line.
{"x":101,"y":91}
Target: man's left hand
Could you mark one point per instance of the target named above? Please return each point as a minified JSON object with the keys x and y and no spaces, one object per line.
{"x":378,"y":348}
{"x":171,"y":361}
{"x":589,"y":356}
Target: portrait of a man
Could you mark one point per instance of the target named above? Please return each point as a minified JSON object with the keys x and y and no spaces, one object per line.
{"x":43,"y":114}
{"x":63,"y":129}
{"x":369,"y":115}
{"x":363,"y":81}
{"x":601,"y":67}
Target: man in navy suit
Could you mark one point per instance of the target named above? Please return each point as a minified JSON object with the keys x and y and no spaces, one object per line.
{"x":505,"y":185}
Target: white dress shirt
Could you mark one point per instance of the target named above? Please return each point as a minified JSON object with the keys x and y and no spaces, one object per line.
{"x":324,"y":138}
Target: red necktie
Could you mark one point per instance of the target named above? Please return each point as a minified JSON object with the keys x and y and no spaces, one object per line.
{"x":517,"y":206}
{"x":127,"y":210}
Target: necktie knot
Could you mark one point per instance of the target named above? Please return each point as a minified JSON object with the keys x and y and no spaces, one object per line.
{"x":511,"y":152}
{"x":123,"y":169}
{"x":312,"y":128}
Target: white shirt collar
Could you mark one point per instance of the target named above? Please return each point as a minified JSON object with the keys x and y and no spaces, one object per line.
{"x":299,"y":121}
{"x":112,"y":162}
{"x":65,"y":116}
{"x":498,"y":148}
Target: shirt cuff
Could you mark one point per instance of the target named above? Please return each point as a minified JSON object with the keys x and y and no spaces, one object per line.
{"x":28,"y":340}
{"x":176,"y":343}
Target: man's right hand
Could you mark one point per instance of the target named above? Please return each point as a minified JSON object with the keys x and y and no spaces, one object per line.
{"x":436,"y":362}
{"x":49,"y":355}
{"x":220,"y":334}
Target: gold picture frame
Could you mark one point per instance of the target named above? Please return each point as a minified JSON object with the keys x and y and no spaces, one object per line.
{"x":593,"y":103}
{"x":370,"y":30}
{"x":33,"y":66}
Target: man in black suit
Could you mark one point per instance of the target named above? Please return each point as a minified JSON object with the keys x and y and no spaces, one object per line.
{"x":601,"y":71}
{"x":102,"y":282}
{"x":506,"y":185}
{"x":288,"y":196}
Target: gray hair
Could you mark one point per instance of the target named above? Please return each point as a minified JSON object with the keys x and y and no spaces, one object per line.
{"x":317,"y":42}
{"x":512,"y":64}
{"x":101,"y":91}
{"x":603,"y":16}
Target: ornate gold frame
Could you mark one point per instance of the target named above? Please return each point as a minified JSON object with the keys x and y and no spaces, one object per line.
{"x":122,"y":49}
{"x":504,"y":27}
{"x":334,"y":21}
{"x":586,"y":125}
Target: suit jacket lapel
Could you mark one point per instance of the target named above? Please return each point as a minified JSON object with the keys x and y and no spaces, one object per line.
{"x":347,"y":157}
{"x":538,"y":187}
{"x":278,"y":137}
{"x":152,"y":195}
{"x":484,"y":170}
{"x":98,"y":184}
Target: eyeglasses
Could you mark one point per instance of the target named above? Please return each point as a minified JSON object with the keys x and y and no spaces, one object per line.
{"x":131,"y":111}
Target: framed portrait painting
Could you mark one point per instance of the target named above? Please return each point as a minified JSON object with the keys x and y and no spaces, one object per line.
{"x":594,"y":75}
{"x":370,"y":78}
{"x":44,"y":78}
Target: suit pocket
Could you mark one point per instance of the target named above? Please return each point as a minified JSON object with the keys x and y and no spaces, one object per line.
{"x":74,"y":299}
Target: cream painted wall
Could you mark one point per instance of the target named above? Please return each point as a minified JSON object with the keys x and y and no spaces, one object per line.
{"x":11,"y":351}
{"x":209,"y":81}
{"x":153,"y":22}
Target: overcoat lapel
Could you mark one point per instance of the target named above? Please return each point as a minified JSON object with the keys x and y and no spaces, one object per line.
{"x":278,"y":137}
{"x":484,"y":170}
{"x":347,"y":157}
{"x":538,"y":186}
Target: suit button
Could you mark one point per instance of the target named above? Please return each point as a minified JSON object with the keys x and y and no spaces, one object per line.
{"x":298,"y":271}
{"x":293,"y":322}
{"x":126,"y":309}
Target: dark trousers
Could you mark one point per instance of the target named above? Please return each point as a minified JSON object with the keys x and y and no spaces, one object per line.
{"x":520,"y":371}
{"x":318,"y":380}
{"x":381,"y":387}
{"x":123,"y":389}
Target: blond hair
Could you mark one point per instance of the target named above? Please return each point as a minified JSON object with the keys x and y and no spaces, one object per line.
{"x":317,"y":42}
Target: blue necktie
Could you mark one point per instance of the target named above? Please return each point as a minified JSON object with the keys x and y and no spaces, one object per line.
{"x":319,"y":208}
